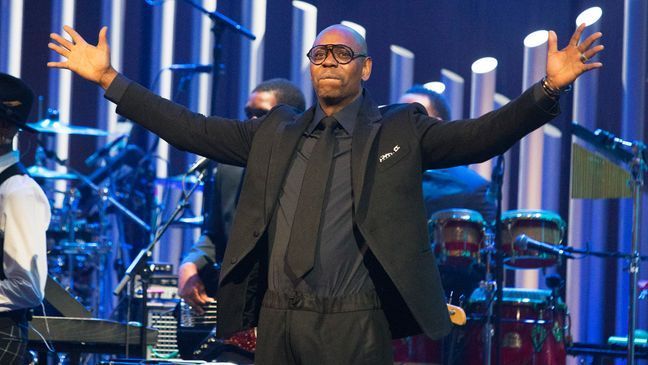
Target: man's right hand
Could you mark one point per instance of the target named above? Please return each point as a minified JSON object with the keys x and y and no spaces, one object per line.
{"x":191,"y":288}
{"x":88,"y":61}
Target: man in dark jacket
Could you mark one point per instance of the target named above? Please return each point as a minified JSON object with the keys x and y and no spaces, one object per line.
{"x":329,"y":250}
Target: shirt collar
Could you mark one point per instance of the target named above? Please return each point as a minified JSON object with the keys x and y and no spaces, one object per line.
{"x":346,"y":117}
{"x":8,"y":159}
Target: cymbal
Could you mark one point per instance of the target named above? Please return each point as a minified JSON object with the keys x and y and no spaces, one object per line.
{"x":189,"y":222}
{"x":41,"y":172}
{"x":56,"y":127}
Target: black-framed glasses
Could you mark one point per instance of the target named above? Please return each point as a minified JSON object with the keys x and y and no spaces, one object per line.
{"x":343,"y":54}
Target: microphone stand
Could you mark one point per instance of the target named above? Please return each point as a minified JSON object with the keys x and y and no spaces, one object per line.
{"x":637,"y":168}
{"x":139,"y":265}
{"x":220,"y":23}
{"x":634,"y":153}
{"x":492,"y":328}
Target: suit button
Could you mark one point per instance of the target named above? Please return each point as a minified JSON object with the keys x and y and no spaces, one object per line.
{"x":255,"y":234}
{"x":233,"y":260}
{"x":295,"y":300}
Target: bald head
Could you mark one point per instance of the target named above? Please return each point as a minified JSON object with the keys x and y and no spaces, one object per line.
{"x":359,"y":43}
{"x":336,"y":84}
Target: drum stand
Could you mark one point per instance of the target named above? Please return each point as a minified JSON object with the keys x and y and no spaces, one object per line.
{"x":489,"y":286}
{"x":494,"y":289}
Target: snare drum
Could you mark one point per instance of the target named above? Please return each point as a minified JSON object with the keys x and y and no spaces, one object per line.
{"x":458,"y":236}
{"x":532,"y":328}
{"x":541,"y":225}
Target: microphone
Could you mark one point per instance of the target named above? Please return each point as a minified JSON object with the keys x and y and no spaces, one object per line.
{"x":524,"y":242}
{"x":190,"y":67}
{"x":103,"y":151}
{"x":199,"y":165}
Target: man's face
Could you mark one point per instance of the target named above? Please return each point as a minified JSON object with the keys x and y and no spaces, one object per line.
{"x":259,"y":103}
{"x":335,"y":83}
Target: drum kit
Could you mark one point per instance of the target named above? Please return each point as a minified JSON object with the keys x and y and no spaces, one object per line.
{"x":534,"y":322}
{"x":77,"y":239}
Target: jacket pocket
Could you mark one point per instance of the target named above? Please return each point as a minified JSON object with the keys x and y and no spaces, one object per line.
{"x":390,"y":157}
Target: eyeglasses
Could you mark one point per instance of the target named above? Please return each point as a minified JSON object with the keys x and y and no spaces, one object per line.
{"x":341,"y":53}
{"x":254,"y":112}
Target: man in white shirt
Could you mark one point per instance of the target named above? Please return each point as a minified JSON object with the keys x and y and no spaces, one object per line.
{"x":24,"y":218}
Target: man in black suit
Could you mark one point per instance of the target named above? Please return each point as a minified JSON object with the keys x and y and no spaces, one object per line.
{"x":332,"y":265}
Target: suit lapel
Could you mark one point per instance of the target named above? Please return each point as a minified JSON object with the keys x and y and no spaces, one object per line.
{"x":364,"y":135}
{"x":285,"y":142}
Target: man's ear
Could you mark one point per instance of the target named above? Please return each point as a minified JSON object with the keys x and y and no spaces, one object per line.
{"x":366,"y":68}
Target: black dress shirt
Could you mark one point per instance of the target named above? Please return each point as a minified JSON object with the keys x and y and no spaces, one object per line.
{"x":338,"y":269}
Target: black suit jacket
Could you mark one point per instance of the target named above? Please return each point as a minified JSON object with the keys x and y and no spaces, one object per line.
{"x":391,"y":148}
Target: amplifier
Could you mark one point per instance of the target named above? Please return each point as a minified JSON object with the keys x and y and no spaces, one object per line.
{"x":160,"y":317}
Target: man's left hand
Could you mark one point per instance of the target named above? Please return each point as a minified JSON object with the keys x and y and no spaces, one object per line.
{"x":565,"y":65}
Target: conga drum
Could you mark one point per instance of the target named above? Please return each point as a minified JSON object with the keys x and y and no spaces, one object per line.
{"x":533,"y":328}
{"x":540,"y":225}
{"x":457,"y":236}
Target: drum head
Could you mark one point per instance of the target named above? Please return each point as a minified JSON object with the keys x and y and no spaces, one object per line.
{"x":457,"y":235}
{"x":541,"y":225}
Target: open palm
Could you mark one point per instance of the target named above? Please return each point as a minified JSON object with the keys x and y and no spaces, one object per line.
{"x":88,"y":61}
{"x":565,"y":65}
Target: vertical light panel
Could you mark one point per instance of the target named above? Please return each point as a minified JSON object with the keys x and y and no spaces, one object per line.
{"x":251,"y":74}
{"x":166,"y":28}
{"x":12,"y":15}
{"x":551,"y":173}
{"x":454,"y":92}
{"x":436,"y":86}
{"x":65,"y":16}
{"x":499,"y":101}
{"x":587,"y":219}
{"x":401,"y":71}
{"x":206,"y":39}
{"x":482,"y":94}
{"x":166,"y":81}
{"x":355,"y":26}
{"x":113,"y":12}
{"x":304,"y":30}
{"x":633,"y":74}
{"x":202,"y":50}
{"x":531,"y":147}
{"x":116,"y":39}
{"x":530,"y":166}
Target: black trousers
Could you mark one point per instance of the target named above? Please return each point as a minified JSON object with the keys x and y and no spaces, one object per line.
{"x":13,"y":340}
{"x":303,"y":330}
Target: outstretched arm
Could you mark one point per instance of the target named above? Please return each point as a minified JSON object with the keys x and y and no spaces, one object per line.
{"x":565,"y":65}
{"x":88,"y":61}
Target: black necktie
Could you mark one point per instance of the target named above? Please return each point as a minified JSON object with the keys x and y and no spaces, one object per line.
{"x":300,"y":255}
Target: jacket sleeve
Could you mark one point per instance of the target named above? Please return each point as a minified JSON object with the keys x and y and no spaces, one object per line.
{"x":446,"y":144}
{"x":221,"y":139}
